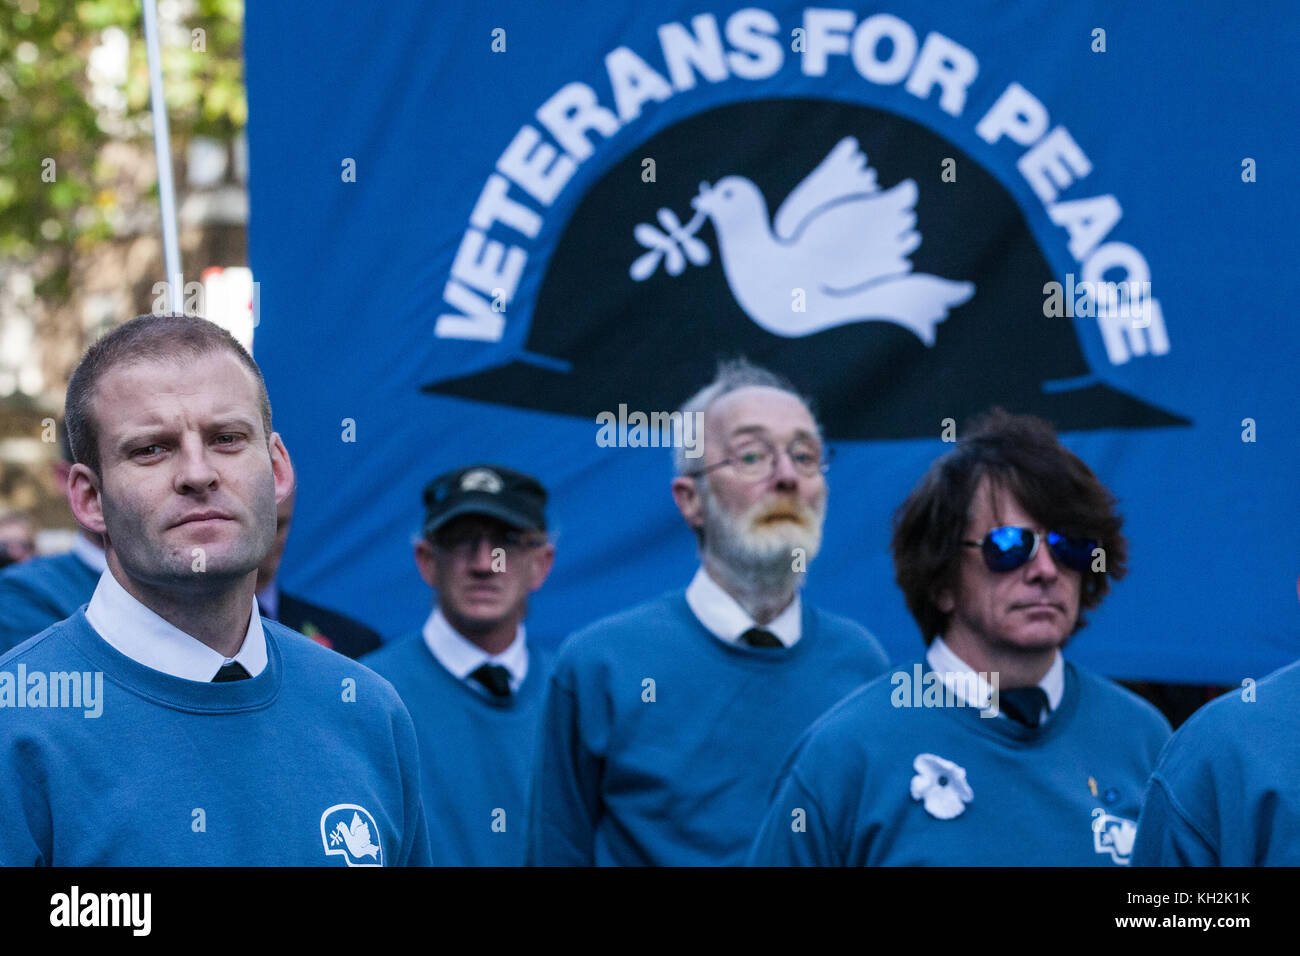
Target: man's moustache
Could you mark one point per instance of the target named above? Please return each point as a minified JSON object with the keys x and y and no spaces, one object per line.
{"x":770,"y":515}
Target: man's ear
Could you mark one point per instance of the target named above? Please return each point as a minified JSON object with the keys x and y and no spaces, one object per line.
{"x":686,"y":495}
{"x":281,"y":468}
{"x":944,"y":600}
{"x":543,"y":561}
{"x":84,"y":497}
{"x":425,"y":562}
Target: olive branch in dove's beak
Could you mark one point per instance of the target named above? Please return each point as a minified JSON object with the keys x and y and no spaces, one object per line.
{"x":670,"y":244}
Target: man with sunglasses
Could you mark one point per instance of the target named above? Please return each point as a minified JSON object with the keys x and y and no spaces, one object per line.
{"x":469,"y":677}
{"x":992,"y":750}
{"x":665,"y":725}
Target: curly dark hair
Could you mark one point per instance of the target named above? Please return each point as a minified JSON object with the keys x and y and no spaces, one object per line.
{"x":1022,"y":455}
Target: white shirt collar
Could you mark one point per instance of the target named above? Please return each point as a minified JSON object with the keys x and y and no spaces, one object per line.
{"x":957,"y":675}
{"x":463,"y":657}
{"x":91,"y":554}
{"x":268,"y":601}
{"x":726,"y":620}
{"x":140,"y":634}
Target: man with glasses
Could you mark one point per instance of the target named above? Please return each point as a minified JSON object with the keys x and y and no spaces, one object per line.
{"x":664,"y":725}
{"x":992,"y":750}
{"x":470,"y":679}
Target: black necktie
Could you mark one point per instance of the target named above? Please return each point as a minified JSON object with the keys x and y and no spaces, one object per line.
{"x":1024,"y":704}
{"x":495,"y":678}
{"x":757,"y":637}
{"x":231,"y":670}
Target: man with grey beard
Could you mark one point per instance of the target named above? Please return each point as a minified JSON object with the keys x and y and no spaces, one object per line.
{"x":665,"y":726}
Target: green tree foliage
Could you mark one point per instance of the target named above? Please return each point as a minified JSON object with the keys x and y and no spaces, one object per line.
{"x":49,"y":110}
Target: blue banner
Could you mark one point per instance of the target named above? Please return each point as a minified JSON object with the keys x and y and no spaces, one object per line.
{"x":478,"y":231}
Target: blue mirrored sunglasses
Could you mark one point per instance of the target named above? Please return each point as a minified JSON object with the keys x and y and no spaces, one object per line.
{"x":1009,"y":547}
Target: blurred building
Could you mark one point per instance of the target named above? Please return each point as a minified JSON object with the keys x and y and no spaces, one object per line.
{"x":43,"y":333}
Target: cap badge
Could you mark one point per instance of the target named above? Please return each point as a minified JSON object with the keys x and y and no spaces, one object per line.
{"x":481,"y":479}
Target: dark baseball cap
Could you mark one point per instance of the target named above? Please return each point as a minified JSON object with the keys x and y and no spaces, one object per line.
{"x":502,"y":493}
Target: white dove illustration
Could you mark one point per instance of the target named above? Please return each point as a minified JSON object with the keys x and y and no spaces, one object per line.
{"x":839,"y":238}
{"x":358,"y":837}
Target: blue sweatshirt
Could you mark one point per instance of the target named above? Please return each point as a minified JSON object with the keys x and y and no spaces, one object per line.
{"x":476,"y":753}
{"x":660,"y":743}
{"x":1226,"y":790}
{"x":875,"y":784}
{"x":41,"y":592}
{"x":313,"y":762}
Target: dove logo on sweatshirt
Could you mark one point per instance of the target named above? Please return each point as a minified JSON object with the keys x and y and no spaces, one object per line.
{"x":1113,"y":835}
{"x":836,"y":251}
{"x":349,"y":831}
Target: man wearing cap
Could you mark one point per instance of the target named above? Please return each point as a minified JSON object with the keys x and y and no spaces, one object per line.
{"x":666,"y":725}
{"x":992,"y":750}
{"x":469,"y":677}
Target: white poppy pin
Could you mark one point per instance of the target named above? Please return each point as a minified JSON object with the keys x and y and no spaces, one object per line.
{"x":942,"y":785}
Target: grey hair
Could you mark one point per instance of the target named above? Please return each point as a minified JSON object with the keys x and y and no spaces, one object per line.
{"x":732,"y":375}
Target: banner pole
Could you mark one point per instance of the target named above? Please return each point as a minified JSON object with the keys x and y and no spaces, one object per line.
{"x":162,"y":150}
